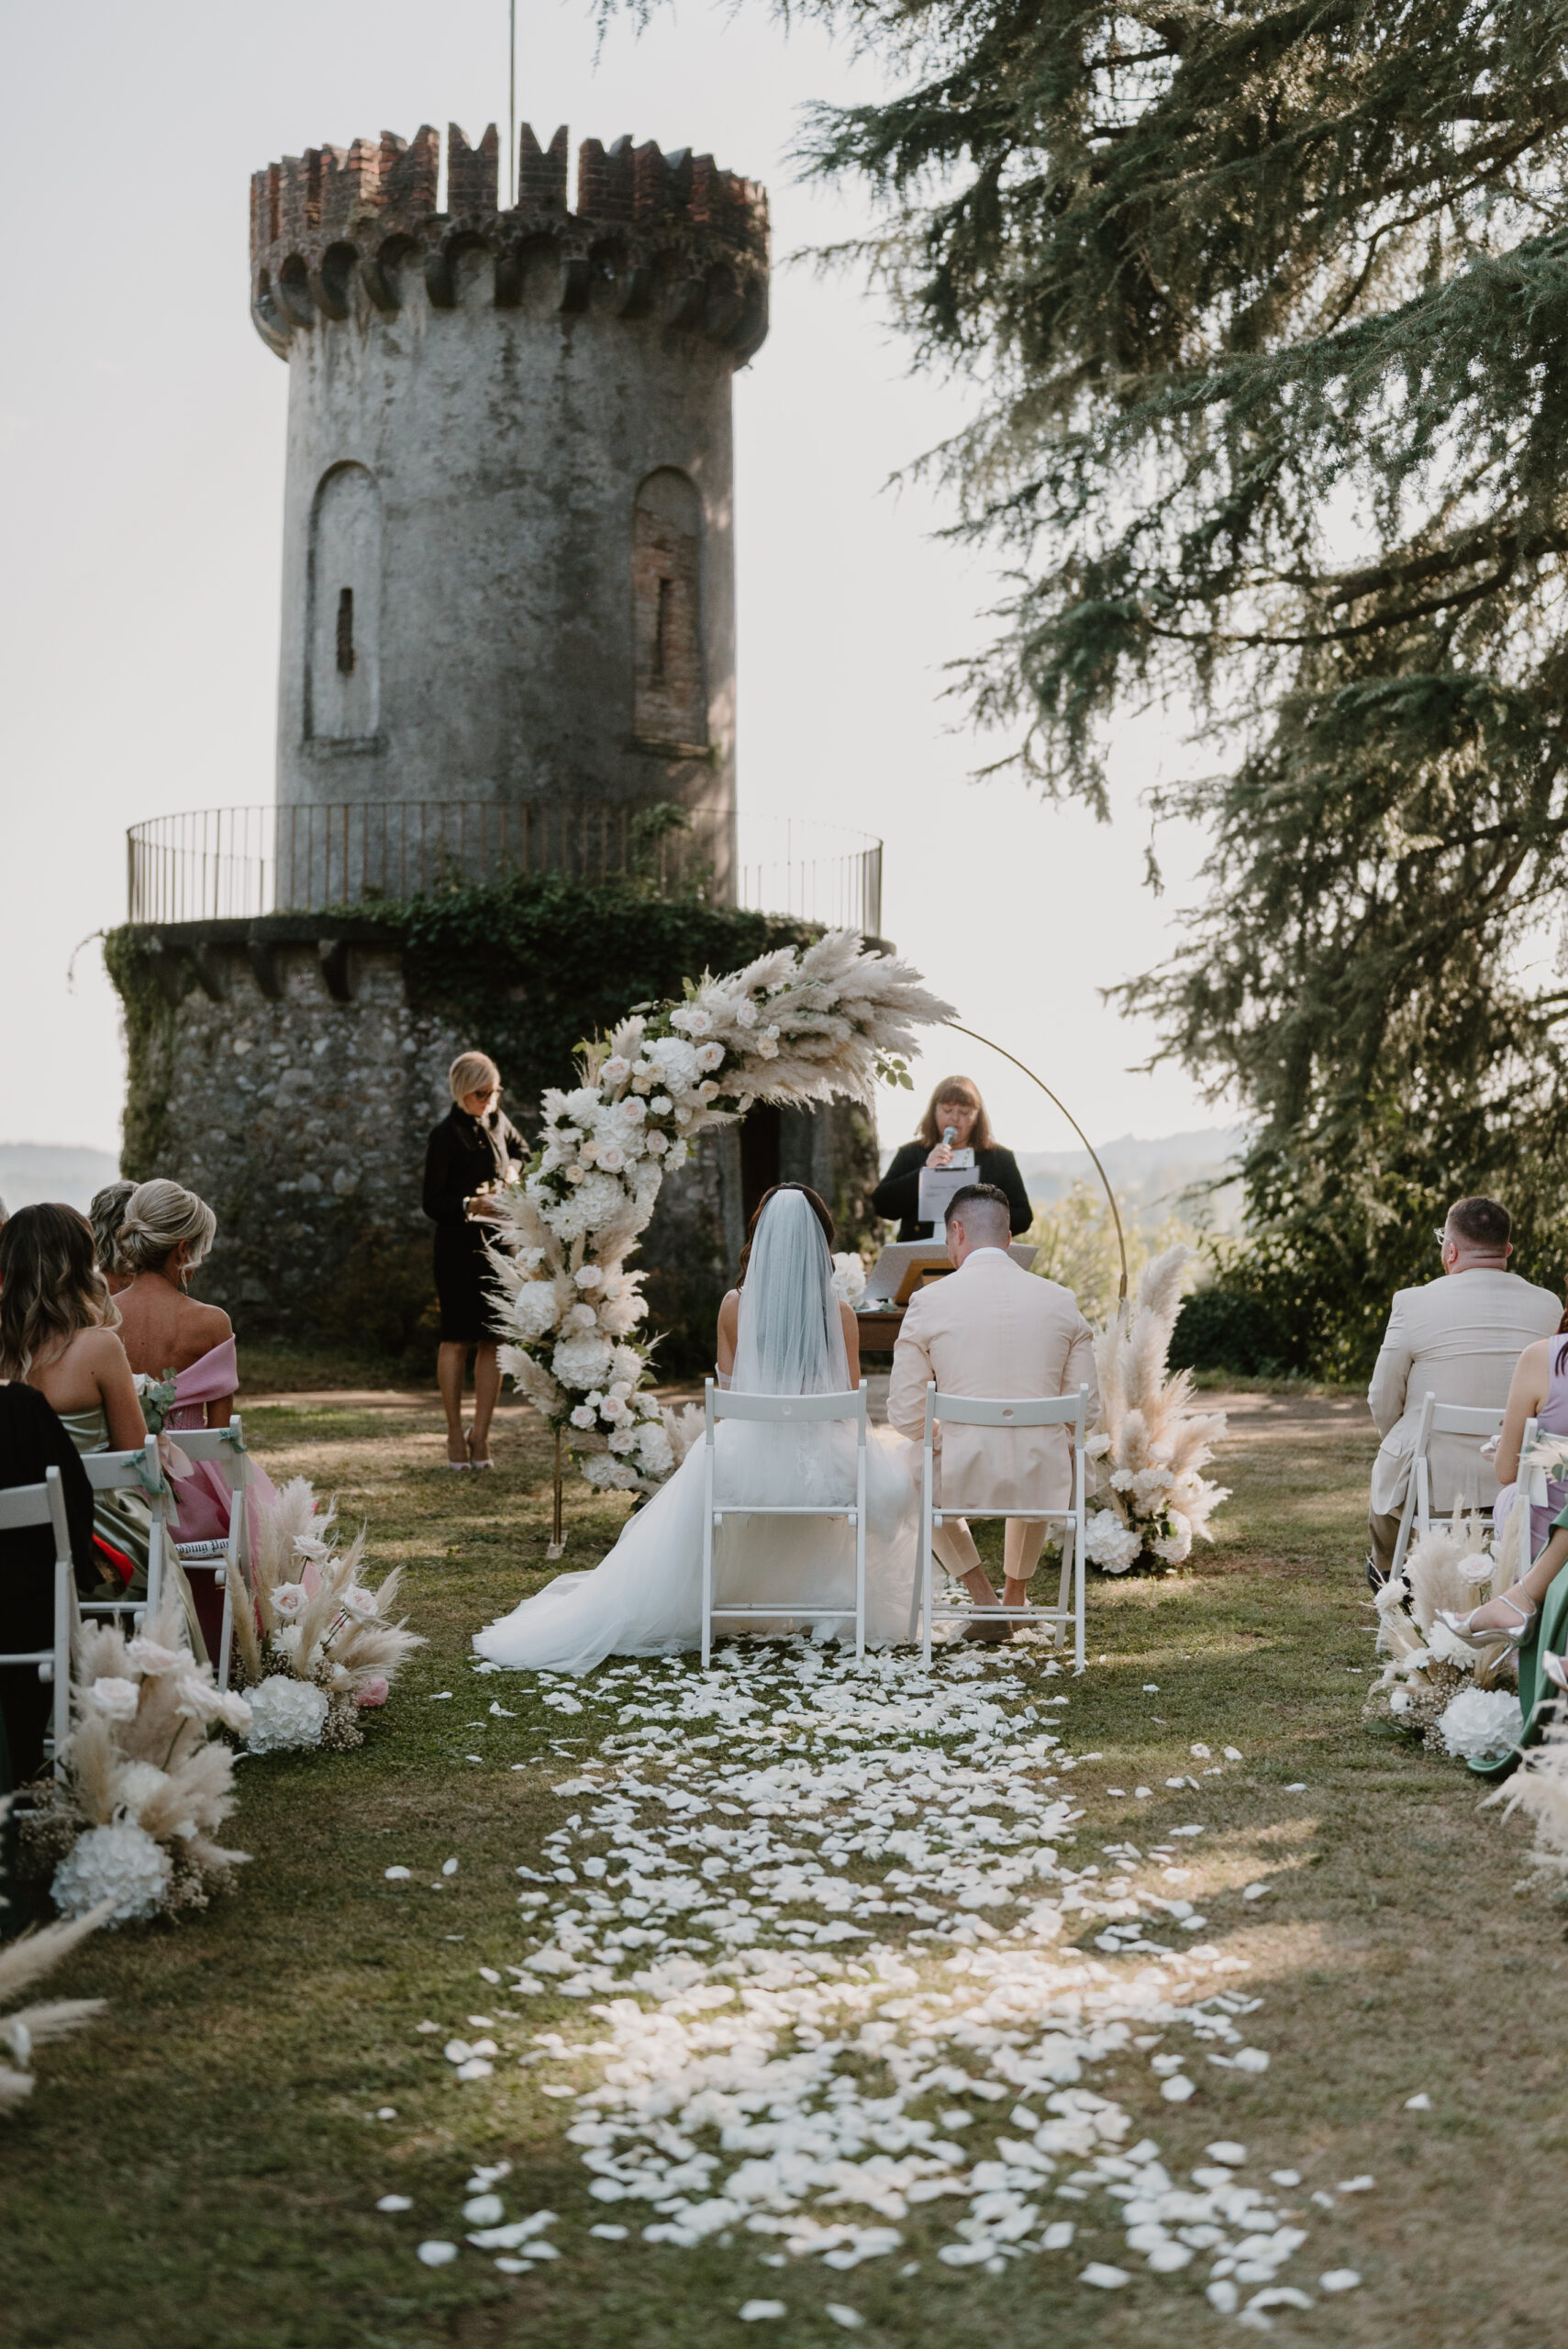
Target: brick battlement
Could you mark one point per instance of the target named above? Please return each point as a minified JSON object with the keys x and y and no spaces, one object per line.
{"x":653,"y":235}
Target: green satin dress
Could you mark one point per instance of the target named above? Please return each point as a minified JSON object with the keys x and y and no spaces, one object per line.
{"x":1537,"y":1695}
{"x":125,"y":1520}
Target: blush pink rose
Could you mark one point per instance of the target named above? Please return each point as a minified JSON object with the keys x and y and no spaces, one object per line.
{"x":375,"y":1691}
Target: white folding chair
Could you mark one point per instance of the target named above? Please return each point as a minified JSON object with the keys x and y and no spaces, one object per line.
{"x":1436,"y":1419}
{"x":723,"y":1404}
{"x":136,"y":1471}
{"x":226,"y":1448}
{"x":24,"y":1505}
{"x":1069,"y":1411}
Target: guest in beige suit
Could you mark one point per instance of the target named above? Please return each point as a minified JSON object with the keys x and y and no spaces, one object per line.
{"x":1458,"y":1338}
{"x":991,"y":1328}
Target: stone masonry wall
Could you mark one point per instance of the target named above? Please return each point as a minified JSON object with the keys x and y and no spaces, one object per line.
{"x":288,"y":1081}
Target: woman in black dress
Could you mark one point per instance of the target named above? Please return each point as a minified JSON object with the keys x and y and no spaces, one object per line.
{"x":956,"y":1103}
{"x":474,"y":1151}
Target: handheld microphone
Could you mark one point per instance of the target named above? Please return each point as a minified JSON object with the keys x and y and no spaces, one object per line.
{"x":950,"y":1135}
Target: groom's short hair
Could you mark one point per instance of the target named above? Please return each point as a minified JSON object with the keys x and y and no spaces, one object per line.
{"x":982,"y":1209}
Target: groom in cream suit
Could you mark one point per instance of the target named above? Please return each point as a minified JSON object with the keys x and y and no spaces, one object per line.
{"x":990,"y":1329}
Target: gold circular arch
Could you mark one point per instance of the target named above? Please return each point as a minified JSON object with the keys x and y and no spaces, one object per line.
{"x":975,"y":1036}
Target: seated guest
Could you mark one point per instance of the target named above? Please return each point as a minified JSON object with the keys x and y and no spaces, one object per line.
{"x":165,"y":1233}
{"x":956,"y":1103}
{"x":105,"y":1215}
{"x":57,"y":1328}
{"x":1538,"y":1392}
{"x":1512,"y":1614}
{"x":1457,"y":1338}
{"x":993,"y":1329}
{"x":31,"y":1441}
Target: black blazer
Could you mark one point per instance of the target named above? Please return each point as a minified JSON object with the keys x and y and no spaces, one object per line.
{"x":464,"y":1153}
{"x":898,"y":1196}
{"x":31,"y":1439}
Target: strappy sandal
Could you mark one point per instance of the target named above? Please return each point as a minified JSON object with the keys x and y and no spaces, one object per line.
{"x":1464,"y":1627}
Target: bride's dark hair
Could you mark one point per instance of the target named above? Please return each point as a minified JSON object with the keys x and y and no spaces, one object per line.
{"x":818,"y":1208}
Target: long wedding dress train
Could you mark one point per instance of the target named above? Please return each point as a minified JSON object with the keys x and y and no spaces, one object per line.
{"x":645,"y":1598}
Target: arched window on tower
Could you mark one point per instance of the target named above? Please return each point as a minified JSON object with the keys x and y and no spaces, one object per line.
{"x":670,"y":689}
{"x":342,"y":658}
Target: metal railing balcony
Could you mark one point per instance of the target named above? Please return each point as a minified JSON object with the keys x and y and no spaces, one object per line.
{"x":220,"y":863}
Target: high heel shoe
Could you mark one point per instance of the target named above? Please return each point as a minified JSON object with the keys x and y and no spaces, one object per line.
{"x":1555,"y":1667}
{"x":1513,"y":1635}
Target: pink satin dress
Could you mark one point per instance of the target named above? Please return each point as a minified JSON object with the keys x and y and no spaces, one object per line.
{"x":201,"y":1499}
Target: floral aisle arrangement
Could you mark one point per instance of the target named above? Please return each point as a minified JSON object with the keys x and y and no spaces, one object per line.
{"x":313,"y":1644}
{"x":1456,"y":1700}
{"x":23,"y":1963}
{"x":795,"y":1026}
{"x":130,"y":1826}
{"x":1145,"y":1462}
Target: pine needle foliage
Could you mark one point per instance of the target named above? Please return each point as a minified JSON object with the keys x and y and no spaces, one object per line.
{"x":1265,"y":309}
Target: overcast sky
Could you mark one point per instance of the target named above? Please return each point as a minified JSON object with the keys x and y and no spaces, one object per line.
{"x":141,"y":437}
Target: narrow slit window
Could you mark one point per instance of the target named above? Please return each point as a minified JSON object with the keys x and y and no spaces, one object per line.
{"x":346,"y":633}
{"x":662,"y":627}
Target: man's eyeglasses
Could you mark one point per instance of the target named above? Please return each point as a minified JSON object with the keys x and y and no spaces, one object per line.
{"x":1441,"y":1237}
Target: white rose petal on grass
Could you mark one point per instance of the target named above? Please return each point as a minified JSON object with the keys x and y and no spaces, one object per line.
{"x":485,"y":2211}
{"x":1229,"y":2152}
{"x":1108,"y":2279}
{"x":611,"y":2234}
{"x":1251,"y":2059}
{"x":1255,"y":1891}
{"x":843,"y":2314}
{"x":1417,"y":2104}
{"x":1222,"y":2295}
{"x":1339,"y":2279}
{"x":449,"y":1867}
{"x":435,"y":2255}
{"x":1232,"y":1753}
{"x":1363,"y":2185}
{"x":1177,"y":2089}
{"x":397,"y":1876}
{"x":756,"y":2311}
{"x":395,"y":2203}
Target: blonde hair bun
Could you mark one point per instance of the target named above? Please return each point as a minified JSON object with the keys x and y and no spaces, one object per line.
{"x":157,"y":1217}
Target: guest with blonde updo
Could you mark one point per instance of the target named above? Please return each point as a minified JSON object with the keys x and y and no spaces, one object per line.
{"x":105,"y":1215}
{"x":473,"y":1152}
{"x":165,"y":1234}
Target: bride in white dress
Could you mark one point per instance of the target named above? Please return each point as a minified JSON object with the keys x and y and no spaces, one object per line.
{"x":792,"y":1337}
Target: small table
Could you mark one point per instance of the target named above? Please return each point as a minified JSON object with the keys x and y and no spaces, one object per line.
{"x":879,"y":1328}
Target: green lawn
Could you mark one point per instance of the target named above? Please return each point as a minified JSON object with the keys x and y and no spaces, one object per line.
{"x":202,"y":2166}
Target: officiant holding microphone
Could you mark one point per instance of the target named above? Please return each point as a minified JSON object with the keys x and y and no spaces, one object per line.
{"x":954,"y":1132}
{"x":473,"y":1151}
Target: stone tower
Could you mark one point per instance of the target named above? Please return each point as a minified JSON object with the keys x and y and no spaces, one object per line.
{"x":508,"y":566}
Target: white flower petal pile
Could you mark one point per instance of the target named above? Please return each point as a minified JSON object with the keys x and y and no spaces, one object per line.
{"x":770,"y":2059}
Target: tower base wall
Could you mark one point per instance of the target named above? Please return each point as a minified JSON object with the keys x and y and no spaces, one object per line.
{"x":292,"y":1079}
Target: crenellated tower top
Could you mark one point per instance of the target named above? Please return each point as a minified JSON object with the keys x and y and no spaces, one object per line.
{"x":665,"y":236}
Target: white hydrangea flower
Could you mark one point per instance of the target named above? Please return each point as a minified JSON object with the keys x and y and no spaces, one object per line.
{"x":1448,"y":1649}
{"x":121,"y":1865}
{"x":626,"y":1368}
{"x":582,"y":1359}
{"x":117,"y":1699}
{"x":1110,"y":1544}
{"x":849,"y":1278}
{"x":1482,"y":1724}
{"x":285,"y":1715}
{"x":608,"y":1474}
{"x":654,"y":1449}
{"x":676,"y":1060}
{"x":582,"y":1101}
{"x":1177,"y":1544}
{"x":533,"y":1312}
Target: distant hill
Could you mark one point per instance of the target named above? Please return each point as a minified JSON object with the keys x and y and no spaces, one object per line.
{"x":31,"y":1171}
{"x":1152,"y":1178}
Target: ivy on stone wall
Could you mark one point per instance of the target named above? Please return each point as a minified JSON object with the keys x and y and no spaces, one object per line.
{"x":531,"y":965}
{"x":134,"y":971}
